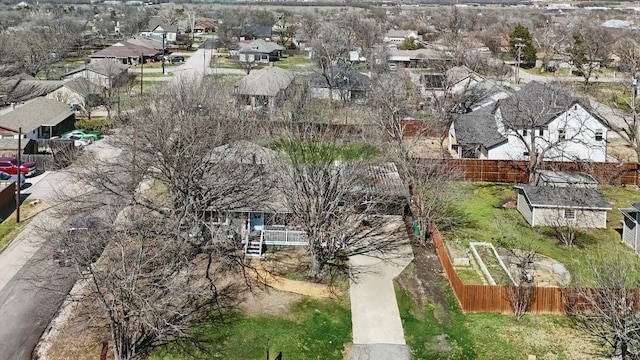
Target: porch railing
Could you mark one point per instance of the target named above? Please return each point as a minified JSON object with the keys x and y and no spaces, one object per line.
{"x":284,"y":236}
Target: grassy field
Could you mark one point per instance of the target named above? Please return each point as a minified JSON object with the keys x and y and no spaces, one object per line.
{"x":488,"y":221}
{"x":319,"y":152}
{"x":9,"y":228}
{"x":314,"y":329}
{"x":486,"y":336}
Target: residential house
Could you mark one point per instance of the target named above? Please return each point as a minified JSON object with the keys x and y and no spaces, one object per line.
{"x":470,"y":88}
{"x":258,"y":51}
{"x":580,"y":207}
{"x":342,"y":83}
{"x":630,"y":228}
{"x":75,"y":92}
{"x":157,"y":27}
{"x":427,"y":57}
{"x":564,"y":128}
{"x":40,"y":118}
{"x":125,"y":52}
{"x":204,"y":25}
{"x":259,"y":217}
{"x":398,"y":36}
{"x":102,"y":73}
{"x":266,"y":87}
{"x":150,"y":42}
{"x":255,"y":33}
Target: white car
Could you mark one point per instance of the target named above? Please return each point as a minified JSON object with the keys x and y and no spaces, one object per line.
{"x":78,"y":141}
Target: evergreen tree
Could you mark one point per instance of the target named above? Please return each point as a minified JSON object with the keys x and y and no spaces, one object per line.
{"x":522,"y":36}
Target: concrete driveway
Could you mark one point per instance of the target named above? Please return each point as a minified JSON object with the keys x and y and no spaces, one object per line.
{"x":376,"y":323}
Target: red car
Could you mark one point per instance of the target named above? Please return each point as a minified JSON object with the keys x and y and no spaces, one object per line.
{"x":10,"y":166}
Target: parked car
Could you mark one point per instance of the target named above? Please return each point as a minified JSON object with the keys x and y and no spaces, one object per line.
{"x":10,"y":166}
{"x":177,"y":58}
{"x":83,"y":245}
{"x":78,"y":141}
{"x":82,"y":133}
{"x":19,"y":180}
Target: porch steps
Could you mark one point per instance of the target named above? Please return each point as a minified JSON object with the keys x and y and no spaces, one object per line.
{"x":253,"y":249}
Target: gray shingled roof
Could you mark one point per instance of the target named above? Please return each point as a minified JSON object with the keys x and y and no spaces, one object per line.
{"x":259,"y":46}
{"x":15,"y":90}
{"x":539,"y":102}
{"x":478,"y":127}
{"x":123,"y":50}
{"x":264,"y":82}
{"x":564,"y":197}
{"x":343,"y":78}
{"x":35,"y":113}
{"x":567,"y":177}
{"x":104,"y":67}
{"x":257,"y":31}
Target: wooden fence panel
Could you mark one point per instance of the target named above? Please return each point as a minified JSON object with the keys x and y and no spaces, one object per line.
{"x":515,"y":171}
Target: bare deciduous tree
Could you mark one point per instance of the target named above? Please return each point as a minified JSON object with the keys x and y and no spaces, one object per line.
{"x":165,"y":261}
{"x":590,"y":49}
{"x":526,"y":116}
{"x":605,"y":307}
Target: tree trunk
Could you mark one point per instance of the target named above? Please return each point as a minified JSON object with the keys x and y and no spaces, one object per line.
{"x":316,"y":266}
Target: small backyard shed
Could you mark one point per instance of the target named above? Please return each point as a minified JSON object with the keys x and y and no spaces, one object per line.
{"x":562,"y":206}
{"x":630,"y":229}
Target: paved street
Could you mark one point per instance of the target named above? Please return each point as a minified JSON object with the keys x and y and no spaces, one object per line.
{"x":32,"y":287}
{"x":196,"y":64}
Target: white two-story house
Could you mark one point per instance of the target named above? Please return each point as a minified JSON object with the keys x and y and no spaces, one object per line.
{"x":559,"y":126}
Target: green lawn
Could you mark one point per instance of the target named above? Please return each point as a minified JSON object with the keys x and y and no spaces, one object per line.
{"x":313,"y":329}
{"x":485,"y":336}
{"x":488,"y":221}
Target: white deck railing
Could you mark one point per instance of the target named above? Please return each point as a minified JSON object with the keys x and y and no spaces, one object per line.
{"x":285,"y":237}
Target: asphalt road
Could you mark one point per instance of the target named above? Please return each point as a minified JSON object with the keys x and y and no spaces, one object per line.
{"x":32,"y":286}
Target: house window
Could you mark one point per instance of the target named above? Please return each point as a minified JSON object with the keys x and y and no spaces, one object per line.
{"x":561,"y":134}
{"x":569,"y":214}
{"x":526,"y":153}
{"x":524,"y":132}
{"x":541,"y":130}
{"x":599,"y":134}
{"x":218,"y":217}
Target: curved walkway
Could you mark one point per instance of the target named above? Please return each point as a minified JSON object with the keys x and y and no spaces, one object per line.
{"x":294,"y":286}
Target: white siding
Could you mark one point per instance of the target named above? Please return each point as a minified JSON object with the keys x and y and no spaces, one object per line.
{"x":580,"y":134}
{"x":630,"y":232}
{"x":584,"y":218}
{"x":525,"y":208}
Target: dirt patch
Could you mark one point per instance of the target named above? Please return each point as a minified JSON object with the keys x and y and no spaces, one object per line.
{"x":80,"y":336}
{"x":425,"y":279}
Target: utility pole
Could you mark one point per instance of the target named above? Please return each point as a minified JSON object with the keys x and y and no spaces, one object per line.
{"x":20,"y":174}
{"x":519,"y":46}
{"x":634,"y":93}
{"x":141,"y":72}
{"x":164,"y":36}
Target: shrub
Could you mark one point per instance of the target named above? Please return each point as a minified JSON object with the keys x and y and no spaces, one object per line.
{"x":100,"y":124}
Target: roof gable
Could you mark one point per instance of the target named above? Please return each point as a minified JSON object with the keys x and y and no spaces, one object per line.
{"x":264,"y":82}
{"x":35,"y":113}
{"x":538,"y":102}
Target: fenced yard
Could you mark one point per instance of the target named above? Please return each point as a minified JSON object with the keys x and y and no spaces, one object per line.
{"x":488,"y":201}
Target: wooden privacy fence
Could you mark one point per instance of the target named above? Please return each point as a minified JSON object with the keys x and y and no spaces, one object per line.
{"x":515,"y":171}
{"x":492,"y":298}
